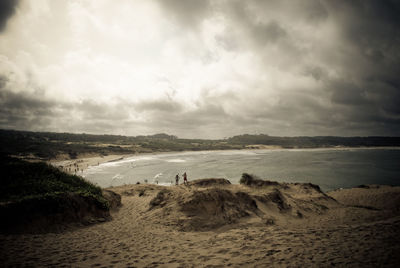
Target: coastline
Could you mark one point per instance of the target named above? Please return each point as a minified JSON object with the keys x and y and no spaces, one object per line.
{"x":78,"y":165}
{"x":83,"y":162}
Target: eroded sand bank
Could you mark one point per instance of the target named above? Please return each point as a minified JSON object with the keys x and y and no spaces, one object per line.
{"x":222,"y":225}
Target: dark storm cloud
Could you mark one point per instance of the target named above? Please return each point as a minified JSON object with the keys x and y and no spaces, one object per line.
{"x":368,"y":93}
{"x":261,"y":32}
{"x":391,"y":101}
{"x":187,"y":12}
{"x":23,"y":110}
{"x":169,"y":113}
{"x":348,"y":94}
{"x":313,"y":11}
{"x":243,"y":21}
{"x":190,"y":13}
{"x":372,"y":27}
{"x":269,"y":32}
{"x":34,"y":111}
{"x":205,"y":114}
{"x":204,"y":119}
{"x":94,"y":111}
{"x":364,"y":94}
{"x":7,"y":9}
{"x":161,"y":105}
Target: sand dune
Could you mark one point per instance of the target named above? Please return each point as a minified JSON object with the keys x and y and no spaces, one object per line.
{"x":223,"y":225}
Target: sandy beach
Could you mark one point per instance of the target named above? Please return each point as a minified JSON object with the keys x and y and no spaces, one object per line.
{"x":223,"y":225}
{"x":77,"y":166}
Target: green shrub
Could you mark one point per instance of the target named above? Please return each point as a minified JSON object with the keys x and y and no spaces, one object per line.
{"x":21,"y":180}
{"x":246,"y":179}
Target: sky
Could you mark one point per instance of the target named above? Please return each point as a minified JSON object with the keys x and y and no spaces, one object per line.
{"x":201,"y":68}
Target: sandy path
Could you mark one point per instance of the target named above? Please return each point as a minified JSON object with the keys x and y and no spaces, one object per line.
{"x":134,"y":239}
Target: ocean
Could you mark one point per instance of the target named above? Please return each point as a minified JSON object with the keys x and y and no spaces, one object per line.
{"x":329,"y":168}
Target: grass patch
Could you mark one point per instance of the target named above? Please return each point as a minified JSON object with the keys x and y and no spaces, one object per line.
{"x":23,"y":181}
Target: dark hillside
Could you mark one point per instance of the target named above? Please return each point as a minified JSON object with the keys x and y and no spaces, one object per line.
{"x":314,"y":142}
{"x":38,"y":197}
{"x":49,"y":145}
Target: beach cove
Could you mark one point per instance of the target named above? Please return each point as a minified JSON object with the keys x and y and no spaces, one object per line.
{"x":330,"y":168}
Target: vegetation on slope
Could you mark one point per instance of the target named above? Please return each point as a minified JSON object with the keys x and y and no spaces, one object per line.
{"x":23,"y":180}
{"x":47,"y":145}
{"x":37,"y":195}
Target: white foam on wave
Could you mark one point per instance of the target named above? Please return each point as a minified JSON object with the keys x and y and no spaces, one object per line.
{"x":128,"y":160}
{"x":176,"y":160}
{"x":118,"y":176}
{"x":158,"y":175}
{"x":231,"y":152}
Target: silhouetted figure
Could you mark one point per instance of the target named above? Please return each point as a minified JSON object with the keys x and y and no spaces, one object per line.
{"x":177,"y":179}
{"x":185,"y":178}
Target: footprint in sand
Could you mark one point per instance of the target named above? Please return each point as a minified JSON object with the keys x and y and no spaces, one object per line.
{"x":204,"y":258}
{"x":235,"y":253}
{"x":223,"y":251}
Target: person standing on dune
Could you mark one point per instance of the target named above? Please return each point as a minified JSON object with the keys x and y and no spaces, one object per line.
{"x":185,"y":178}
{"x":177,"y":179}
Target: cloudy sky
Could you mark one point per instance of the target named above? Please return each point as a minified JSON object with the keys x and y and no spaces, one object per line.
{"x":201,"y":68}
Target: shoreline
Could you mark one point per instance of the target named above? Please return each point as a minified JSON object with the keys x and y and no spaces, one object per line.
{"x":81,"y":163}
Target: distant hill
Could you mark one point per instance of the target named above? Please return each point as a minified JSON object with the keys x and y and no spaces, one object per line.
{"x":50,"y":145}
{"x":314,"y":142}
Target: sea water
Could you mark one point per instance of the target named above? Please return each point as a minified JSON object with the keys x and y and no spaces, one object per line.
{"x":329,"y":168}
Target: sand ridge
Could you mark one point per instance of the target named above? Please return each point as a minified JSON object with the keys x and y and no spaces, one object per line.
{"x":328,"y":233}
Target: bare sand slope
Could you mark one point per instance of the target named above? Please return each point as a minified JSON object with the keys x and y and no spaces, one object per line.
{"x":221,"y":225}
